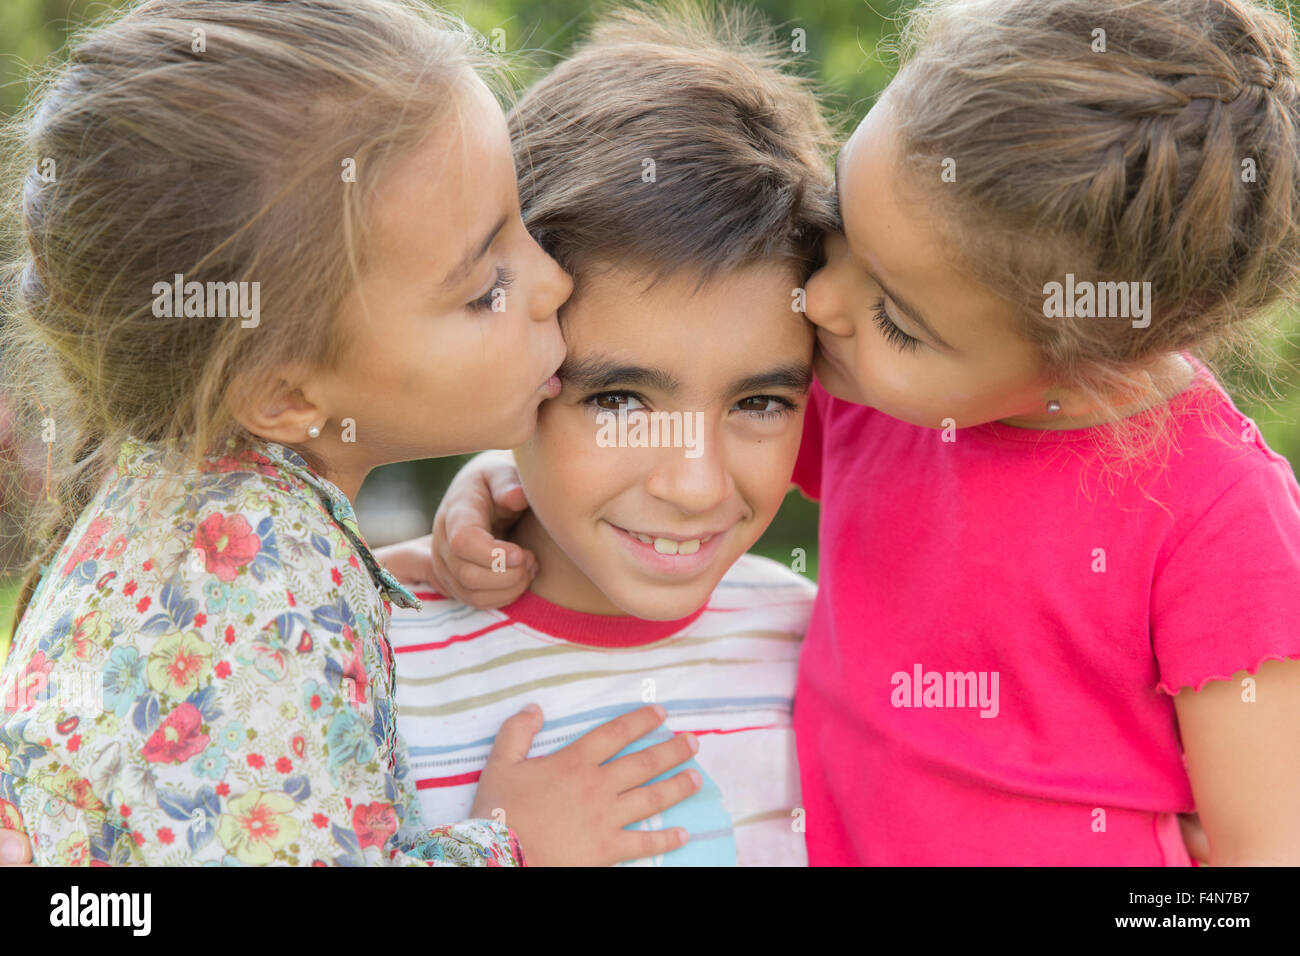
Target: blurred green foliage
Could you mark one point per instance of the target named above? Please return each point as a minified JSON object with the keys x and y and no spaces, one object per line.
{"x":840,"y":36}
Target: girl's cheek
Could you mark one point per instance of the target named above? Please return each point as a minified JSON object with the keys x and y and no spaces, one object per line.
{"x":867,"y":351}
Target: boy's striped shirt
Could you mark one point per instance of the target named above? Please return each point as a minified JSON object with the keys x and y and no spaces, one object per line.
{"x":726,"y":673}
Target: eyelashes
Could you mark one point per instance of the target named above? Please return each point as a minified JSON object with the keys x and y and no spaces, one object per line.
{"x":892,"y":333}
{"x":785,"y":406}
{"x":503,"y":280}
{"x":594,"y":401}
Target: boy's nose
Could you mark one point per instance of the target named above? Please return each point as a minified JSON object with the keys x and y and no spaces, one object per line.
{"x":693,"y":485}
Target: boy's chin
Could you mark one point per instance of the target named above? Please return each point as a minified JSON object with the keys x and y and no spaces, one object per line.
{"x":665,"y":603}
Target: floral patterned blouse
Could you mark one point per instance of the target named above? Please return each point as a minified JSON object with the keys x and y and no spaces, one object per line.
{"x":204,"y":677}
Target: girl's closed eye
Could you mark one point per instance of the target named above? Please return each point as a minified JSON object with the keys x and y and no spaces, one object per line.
{"x":765,"y":407}
{"x":892,"y":333}
{"x":484,"y":302}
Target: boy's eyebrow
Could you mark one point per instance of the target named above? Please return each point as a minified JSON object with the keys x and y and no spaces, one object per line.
{"x":463,"y":268}
{"x":915,"y":314}
{"x":595,"y":374}
{"x":796,"y":377}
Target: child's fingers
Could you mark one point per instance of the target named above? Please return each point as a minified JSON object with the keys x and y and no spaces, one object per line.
{"x":638,"y":844}
{"x":630,"y":772}
{"x":474,"y":578}
{"x":490,"y":497}
{"x":515,"y":737}
{"x":507,"y":493}
{"x":507,"y":588}
{"x":408,"y":565}
{"x":469,"y":503}
{"x":484,"y":589}
{"x":503,"y":484}
{"x":609,"y":738}
{"x":15,"y":848}
{"x":641,"y":803}
{"x":476,"y":546}
{"x":490,"y":600}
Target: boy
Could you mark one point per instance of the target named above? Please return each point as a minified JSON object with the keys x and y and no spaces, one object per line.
{"x":679,"y":173}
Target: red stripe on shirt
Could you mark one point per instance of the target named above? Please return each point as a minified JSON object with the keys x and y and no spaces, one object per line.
{"x":454,"y":639}
{"x":431,"y":783}
{"x":735,"y":731}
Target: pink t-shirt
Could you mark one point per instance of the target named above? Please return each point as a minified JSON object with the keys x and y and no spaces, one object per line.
{"x":986,"y":677}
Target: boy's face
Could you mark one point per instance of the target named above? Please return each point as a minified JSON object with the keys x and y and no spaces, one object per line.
{"x":733,"y":360}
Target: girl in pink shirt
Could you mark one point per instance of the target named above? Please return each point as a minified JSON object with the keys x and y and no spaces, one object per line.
{"x":1060,"y":571}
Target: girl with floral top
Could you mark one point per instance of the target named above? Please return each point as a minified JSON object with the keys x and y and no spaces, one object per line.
{"x":265,"y":248}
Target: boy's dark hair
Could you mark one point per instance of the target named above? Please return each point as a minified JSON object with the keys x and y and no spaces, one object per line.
{"x":674,"y":138}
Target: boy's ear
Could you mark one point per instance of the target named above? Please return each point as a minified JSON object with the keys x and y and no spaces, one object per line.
{"x":280,"y":412}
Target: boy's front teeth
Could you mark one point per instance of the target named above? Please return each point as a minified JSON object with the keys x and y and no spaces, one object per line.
{"x":668,"y":545}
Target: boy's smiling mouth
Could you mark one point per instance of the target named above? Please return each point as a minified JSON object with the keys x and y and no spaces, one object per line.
{"x":676,"y":553}
{"x":666,"y":544}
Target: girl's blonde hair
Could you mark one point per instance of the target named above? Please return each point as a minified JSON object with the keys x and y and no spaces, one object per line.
{"x":214,"y":139}
{"x":1121,"y":141}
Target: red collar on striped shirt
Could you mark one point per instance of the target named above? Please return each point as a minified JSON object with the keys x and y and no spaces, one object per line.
{"x":593,"y":630}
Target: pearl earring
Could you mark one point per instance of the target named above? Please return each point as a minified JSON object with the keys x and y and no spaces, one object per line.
{"x":313,"y":432}
{"x":1053,"y":407}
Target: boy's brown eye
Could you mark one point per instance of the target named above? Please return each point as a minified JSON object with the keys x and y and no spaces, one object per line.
{"x":765,"y":407}
{"x":614,"y":401}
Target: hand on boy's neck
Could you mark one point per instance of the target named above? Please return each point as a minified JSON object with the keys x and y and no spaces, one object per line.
{"x":559,"y":580}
